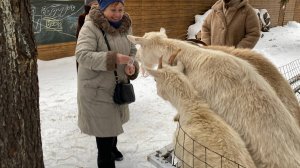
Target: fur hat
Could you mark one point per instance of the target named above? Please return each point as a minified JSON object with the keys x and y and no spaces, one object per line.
{"x":105,"y":3}
{"x":87,"y":2}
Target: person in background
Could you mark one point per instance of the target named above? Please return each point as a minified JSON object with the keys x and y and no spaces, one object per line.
{"x":231,"y":23}
{"x":87,"y":6}
{"x":98,"y":115}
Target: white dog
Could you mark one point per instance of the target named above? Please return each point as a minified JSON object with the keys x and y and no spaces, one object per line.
{"x":233,"y":88}
{"x":210,"y":140}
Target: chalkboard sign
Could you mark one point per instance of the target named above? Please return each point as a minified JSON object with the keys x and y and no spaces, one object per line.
{"x":55,"y":21}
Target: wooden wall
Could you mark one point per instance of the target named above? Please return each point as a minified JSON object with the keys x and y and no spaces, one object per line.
{"x":297,"y":11}
{"x":272,"y":6}
{"x":54,"y":51}
{"x":289,"y":12}
{"x":175,"y":16}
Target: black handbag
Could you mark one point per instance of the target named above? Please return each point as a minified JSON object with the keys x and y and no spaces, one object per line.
{"x":124,"y":92}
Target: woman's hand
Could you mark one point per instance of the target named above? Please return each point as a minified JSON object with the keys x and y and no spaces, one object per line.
{"x":122,"y":59}
{"x":129,"y":69}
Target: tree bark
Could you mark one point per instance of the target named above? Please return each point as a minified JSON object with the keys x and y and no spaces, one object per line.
{"x":20,"y":133}
{"x":281,"y":14}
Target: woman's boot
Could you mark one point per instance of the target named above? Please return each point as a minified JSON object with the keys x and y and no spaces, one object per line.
{"x":116,"y":153}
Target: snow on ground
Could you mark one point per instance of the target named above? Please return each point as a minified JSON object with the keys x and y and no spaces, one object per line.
{"x":151,"y":124}
{"x":282,"y":44}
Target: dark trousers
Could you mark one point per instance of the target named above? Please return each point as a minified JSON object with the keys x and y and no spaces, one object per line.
{"x":105,"y":147}
{"x":115,"y":144}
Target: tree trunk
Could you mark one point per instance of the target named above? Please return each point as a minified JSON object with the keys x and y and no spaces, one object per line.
{"x":20,"y":133}
{"x":281,"y":14}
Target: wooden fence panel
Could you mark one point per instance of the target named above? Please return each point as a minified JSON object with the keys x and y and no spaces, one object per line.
{"x":289,"y":11}
{"x":54,"y":51}
{"x":297,"y":11}
{"x":174,"y":15}
{"x":272,"y":7}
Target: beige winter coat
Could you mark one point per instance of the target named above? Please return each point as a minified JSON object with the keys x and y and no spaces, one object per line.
{"x":237,"y":25}
{"x":98,"y":114}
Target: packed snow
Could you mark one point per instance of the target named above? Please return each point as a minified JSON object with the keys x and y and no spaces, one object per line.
{"x":151,"y":123}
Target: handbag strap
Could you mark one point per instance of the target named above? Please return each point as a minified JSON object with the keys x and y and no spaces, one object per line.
{"x":106,"y":41}
{"x":109,"y":49}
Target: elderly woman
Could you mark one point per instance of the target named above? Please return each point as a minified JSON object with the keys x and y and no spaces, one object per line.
{"x":99,"y":60}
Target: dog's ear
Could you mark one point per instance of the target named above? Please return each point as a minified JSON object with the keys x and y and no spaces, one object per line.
{"x":163,"y":31}
{"x":136,"y":40}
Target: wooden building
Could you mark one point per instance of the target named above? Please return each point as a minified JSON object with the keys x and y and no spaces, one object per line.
{"x":174,"y":15}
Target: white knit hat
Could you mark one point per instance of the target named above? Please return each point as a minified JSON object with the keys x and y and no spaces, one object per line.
{"x":87,"y":2}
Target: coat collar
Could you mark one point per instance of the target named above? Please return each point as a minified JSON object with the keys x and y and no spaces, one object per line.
{"x":232,"y":3}
{"x":231,"y":11}
{"x":97,"y":16}
{"x":218,"y":6}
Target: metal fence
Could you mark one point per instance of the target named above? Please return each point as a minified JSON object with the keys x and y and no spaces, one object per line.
{"x":187,"y":157}
{"x":291,"y":72}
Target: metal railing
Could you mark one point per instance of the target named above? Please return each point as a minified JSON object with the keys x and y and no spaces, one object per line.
{"x":180,"y":152}
{"x":194,"y":159}
{"x":291,"y":72}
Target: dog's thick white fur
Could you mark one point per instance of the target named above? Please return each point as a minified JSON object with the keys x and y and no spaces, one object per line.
{"x":266,"y":69}
{"x":203,"y":126}
{"x":233,"y":88}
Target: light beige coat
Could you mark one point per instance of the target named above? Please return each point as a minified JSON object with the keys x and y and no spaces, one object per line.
{"x":238,"y":26}
{"x":98,"y":114}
